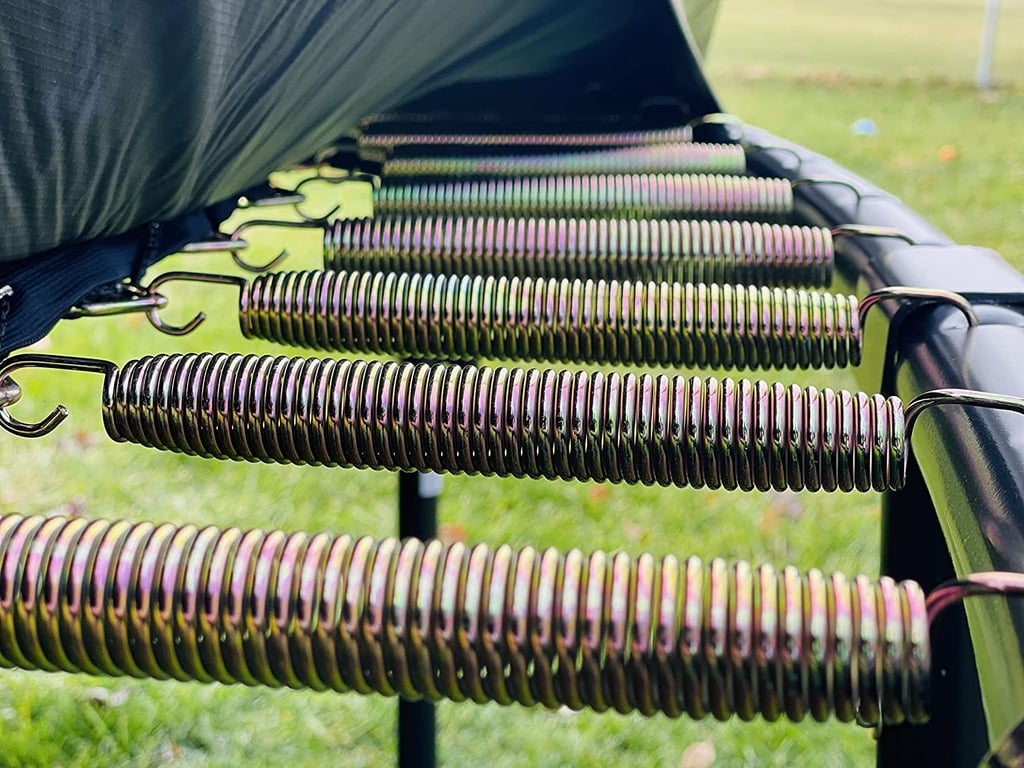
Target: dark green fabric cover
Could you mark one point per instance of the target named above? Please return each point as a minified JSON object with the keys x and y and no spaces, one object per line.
{"x":118,"y":113}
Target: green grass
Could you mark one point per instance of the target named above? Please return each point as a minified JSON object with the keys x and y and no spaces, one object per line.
{"x":932,"y":40}
{"x":807,"y":70}
{"x":917,"y":93}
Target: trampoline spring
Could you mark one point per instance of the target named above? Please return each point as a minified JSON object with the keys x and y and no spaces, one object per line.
{"x":620,"y":428}
{"x":510,"y":141}
{"x":629,"y":195}
{"x":682,"y":431}
{"x":448,"y":317}
{"x":656,"y":158}
{"x":459,"y":318}
{"x":445,"y":317}
{"x":674,"y":251}
{"x":434,"y":621}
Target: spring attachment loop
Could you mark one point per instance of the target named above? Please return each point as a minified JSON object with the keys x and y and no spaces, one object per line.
{"x":657,"y":158}
{"x":434,"y":621}
{"x":636,"y":195}
{"x":652,"y":250}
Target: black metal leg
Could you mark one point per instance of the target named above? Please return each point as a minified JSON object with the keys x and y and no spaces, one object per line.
{"x":417,"y":518}
{"x":913,"y":547}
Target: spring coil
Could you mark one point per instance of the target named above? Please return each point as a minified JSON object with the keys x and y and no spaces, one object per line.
{"x":433,"y":621}
{"x":668,"y":324}
{"x":509,"y":422}
{"x":657,"y":158}
{"x":391,"y":141}
{"x":636,"y":195}
{"x":752,"y":253}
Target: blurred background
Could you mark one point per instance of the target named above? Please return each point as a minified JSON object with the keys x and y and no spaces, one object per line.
{"x":886,"y":88}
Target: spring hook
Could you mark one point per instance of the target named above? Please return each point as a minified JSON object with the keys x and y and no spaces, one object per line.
{"x":984,"y":583}
{"x":656,"y":158}
{"x":716,"y":118}
{"x":236,"y":237}
{"x":869,"y":230}
{"x":234,"y":245}
{"x":960,"y":397}
{"x":426,"y":620}
{"x":219,"y":243}
{"x":272,"y":196}
{"x":52,"y":420}
{"x":859,"y":193}
{"x":10,"y":393}
{"x":153,"y":315}
{"x":118,"y":299}
{"x":319,"y":178}
{"x":507,"y":422}
{"x":750,"y":147}
{"x":655,"y":250}
{"x":920,"y":296}
{"x":630,"y":195}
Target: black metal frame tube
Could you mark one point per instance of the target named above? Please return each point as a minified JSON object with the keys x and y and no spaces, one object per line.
{"x":967,"y":511}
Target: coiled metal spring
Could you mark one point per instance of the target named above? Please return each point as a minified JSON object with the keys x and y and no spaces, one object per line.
{"x":509,"y":422}
{"x":392,"y":141}
{"x":450,"y":317}
{"x":637,"y":195}
{"x":435,"y":621}
{"x":656,"y":158}
{"x":675,"y":251}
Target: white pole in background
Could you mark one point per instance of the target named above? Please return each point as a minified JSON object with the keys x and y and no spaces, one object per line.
{"x":988,"y":42}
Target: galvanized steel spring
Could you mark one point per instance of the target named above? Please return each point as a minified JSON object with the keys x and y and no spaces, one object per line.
{"x":752,"y":253}
{"x":657,"y":158}
{"x":449,"y":317}
{"x":509,"y":422}
{"x":636,"y":195}
{"x":435,"y":621}
{"x":391,"y":141}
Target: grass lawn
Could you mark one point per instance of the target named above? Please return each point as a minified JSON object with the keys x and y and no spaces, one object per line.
{"x":906,"y":65}
{"x":807,"y":70}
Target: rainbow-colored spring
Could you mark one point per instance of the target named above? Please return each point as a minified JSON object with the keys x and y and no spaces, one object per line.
{"x":435,"y":621}
{"x":698,"y":251}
